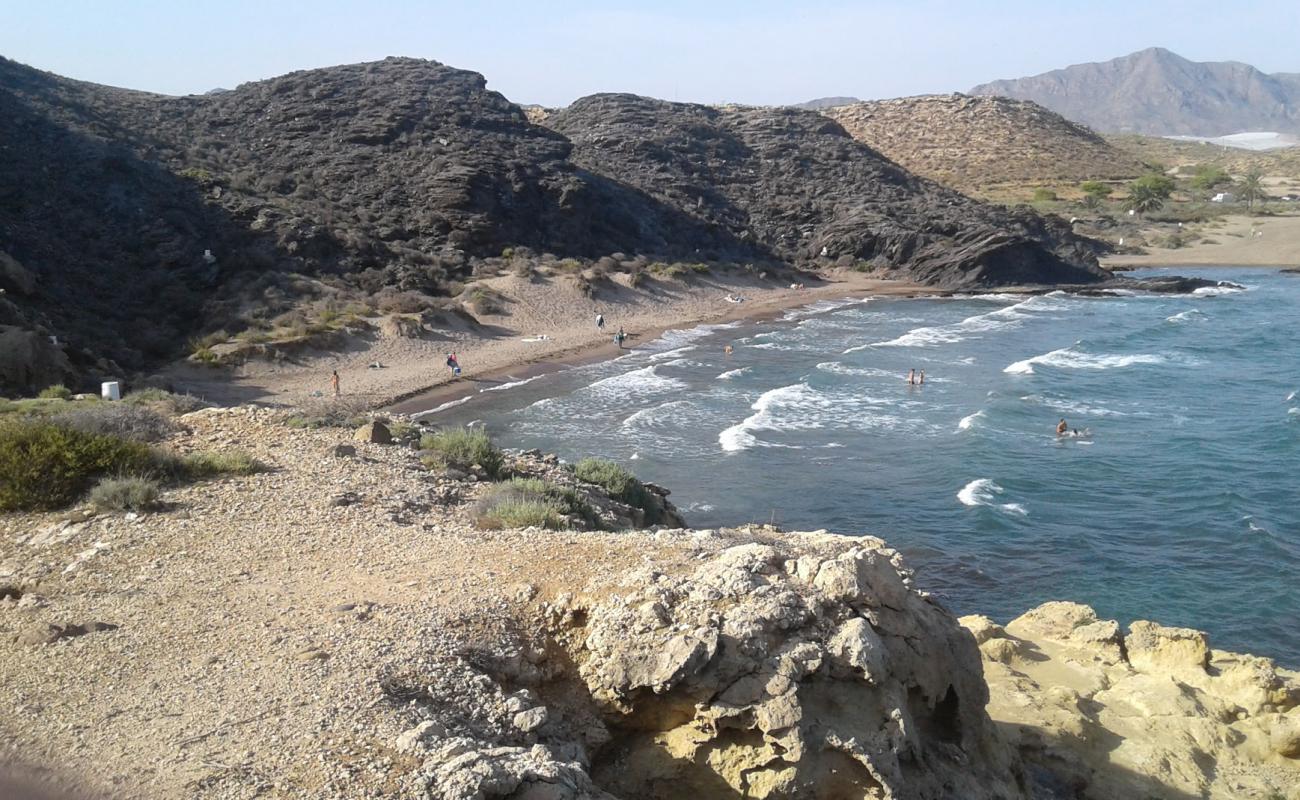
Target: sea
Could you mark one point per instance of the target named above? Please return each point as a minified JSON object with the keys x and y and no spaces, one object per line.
{"x":1175,"y":496}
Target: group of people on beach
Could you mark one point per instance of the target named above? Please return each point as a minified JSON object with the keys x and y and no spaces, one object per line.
{"x":619,"y":337}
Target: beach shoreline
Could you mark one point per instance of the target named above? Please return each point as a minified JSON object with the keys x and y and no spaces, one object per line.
{"x":550,"y":325}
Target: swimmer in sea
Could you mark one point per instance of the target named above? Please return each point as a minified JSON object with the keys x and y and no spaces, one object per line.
{"x":911,"y":377}
{"x":727,"y":350}
{"x":920,"y":381}
{"x":1061,"y":428}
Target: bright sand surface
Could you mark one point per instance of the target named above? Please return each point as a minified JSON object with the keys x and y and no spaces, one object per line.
{"x":547,"y":321}
{"x":1235,"y":241}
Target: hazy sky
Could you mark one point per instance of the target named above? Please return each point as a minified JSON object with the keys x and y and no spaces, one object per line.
{"x":553,"y":52}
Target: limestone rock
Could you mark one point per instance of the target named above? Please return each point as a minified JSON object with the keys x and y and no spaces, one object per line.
{"x":340,"y":451}
{"x":834,"y":689}
{"x":1154,"y":647}
{"x":530,"y":720}
{"x":463,"y":769}
{"x":1174,"y":719}
{"x":374,"y":432}
{"x":412,"y":738}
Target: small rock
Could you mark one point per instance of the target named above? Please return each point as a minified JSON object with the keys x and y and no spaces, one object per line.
{"x":311,"y":654}
{"x":374,"y":432}
{"x":341,"y":451}
{"x":345,"y":499}
{"x":410,"y":739}
{"x":530,"y":720}
{"x":341,"y":607}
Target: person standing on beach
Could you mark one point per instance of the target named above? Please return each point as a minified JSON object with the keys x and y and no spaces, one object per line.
{"x":453,"y":364}
{"x":619,"y":337}
{"x":600,"y":322}
{"x":334,"y":383}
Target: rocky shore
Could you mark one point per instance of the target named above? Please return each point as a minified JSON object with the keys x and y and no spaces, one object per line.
{"x":339,"y":626}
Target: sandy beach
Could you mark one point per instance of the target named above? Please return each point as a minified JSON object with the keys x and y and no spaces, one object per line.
{"x":1233,"y":241}
{"x":547,"y":322}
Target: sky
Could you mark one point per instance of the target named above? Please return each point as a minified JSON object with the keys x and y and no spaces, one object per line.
{"x":756,"y":52}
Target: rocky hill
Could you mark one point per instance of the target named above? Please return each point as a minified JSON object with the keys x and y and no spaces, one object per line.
{"x":1157,"y":92}
{"x":798,"y":186}
{"x":129,"y":221}
{"x":971,"y":143}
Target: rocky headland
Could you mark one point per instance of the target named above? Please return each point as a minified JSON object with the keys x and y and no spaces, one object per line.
{"x":342,"y":624}
{"x":132,"y":222}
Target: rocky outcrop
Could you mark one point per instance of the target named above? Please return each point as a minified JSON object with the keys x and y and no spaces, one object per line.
{"x":976,"y":143}
{"x":228,"y":209}
{"x":796,"y":186}
{"x":801,"y":668}
{"x":1154,"y":713}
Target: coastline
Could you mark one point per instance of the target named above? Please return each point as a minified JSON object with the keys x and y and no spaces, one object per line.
{"x":550,"y":326}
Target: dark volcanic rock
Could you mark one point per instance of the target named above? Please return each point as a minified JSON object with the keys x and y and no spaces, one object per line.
{"x":796,"y":186}
{"x":130,"y":221}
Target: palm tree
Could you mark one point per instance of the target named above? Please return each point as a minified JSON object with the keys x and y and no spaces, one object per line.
{"x":1252,"y":187}
{"x":1143,"y":198}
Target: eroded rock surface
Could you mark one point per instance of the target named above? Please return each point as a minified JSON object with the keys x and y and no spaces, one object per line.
{"x":1155,"y":713}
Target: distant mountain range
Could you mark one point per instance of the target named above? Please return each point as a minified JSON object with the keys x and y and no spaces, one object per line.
{"x":1160,"y":93}
{"x":821,"y":103}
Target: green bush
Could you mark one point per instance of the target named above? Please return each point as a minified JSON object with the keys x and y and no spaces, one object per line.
{"x":125,"y":494}
{"x":115,"y":419}
{"x":462,"y":448}
{"x":521,"y":502}
{"x":173,"y":403}
{"x":211,"y":464}
{"x":44,"y":466}
{"x":1044,"y":195}
{"x":621,"y":484}
{"x":55,"y":392}
{"x":522,"y":514}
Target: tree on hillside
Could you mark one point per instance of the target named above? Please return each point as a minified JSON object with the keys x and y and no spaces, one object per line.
{"x":1149,"y":193}
{"x":1094,"y":192}
{"x":1144,"y":199}
{"x":1208,"y":177}
{"x":1252,"y":187}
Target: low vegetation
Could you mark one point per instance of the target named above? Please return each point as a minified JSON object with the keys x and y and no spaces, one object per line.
{"x":125,"y":494}
{"x":45,"y":466}
{"x":525,"y":502}
{"x":621,"y":484}
{"x":214,"y":464}
{"x":134,"y":422}
{"x":334,"y":412}
{"x":462,"y":448}
{"x":56,"y":392}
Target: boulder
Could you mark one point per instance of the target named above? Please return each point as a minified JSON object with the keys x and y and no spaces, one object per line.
{"x":14,"y":277}
{"x":1153,"y":647}
{"x":374,"y":432}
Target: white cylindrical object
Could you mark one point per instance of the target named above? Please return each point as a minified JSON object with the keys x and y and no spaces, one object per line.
{"x":110,"y":390}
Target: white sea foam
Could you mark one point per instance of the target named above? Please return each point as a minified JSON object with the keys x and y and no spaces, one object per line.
{"x":1213,"y":291}
{"x":1001,"y":319}
{"x":1190,"y":315}
{"x":808,"y":402}
{"x":639,"y":381}
{"x":443,"y":407}
{"x":1069,"y":358}
{"x":844,"y":369}
{"x":984,"y":492}
{"x":766,"y":346}
{"x":1290,"y":397}
{"x":733,"y":373}
{"x":969,"y":420}
{"x":653,"y":415}
{"x":510,"y":385}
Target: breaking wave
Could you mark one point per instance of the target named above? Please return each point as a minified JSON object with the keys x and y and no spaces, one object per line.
{"x":1069,"y":358}
{"x":984,"y":492}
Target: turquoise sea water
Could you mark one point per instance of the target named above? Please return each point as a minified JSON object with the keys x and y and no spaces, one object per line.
{"x":1182,"y":504}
